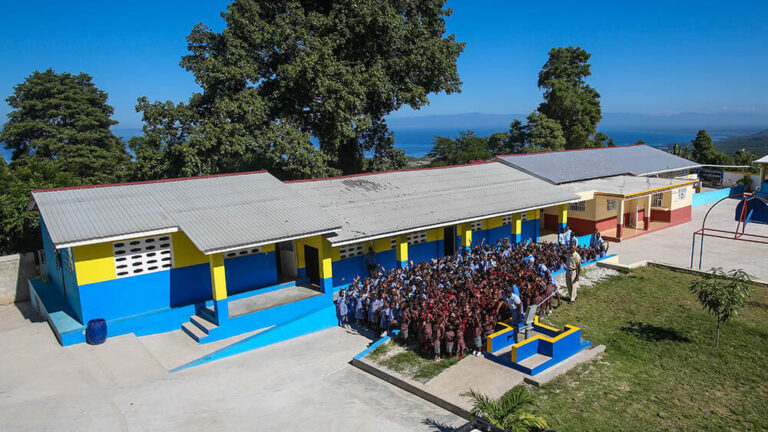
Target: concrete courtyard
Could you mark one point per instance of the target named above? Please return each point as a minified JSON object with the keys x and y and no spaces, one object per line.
{"x":673,"y":245}
{"x":305,"y":383}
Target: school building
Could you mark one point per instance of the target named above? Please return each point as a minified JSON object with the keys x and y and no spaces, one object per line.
{"x":624,"y":191}
{"x":223,"y":255}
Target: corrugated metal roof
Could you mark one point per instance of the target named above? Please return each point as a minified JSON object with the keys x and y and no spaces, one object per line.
{"x":378,"y":205}
{"x":762,"y":160}
{"x":217,"y":212}
{"x":624,"y":185}
{"x":575,"y":165}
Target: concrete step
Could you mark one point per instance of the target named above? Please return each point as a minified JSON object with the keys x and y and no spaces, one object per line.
{"x":202,"y":323}
{"x":193,"y":331}
{"x":534,"y":360}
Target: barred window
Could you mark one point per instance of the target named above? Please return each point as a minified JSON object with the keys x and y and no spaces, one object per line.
{"x":580,"y":206}
{"x":610,"y":205}
{"x":242,"y":252}
{"x":351,"y":250}
{"x":416,"y":238}
{"x":681,"y":194}
{"x":476,"y":226}
{"x":141,"y":256}
{"x":657,"y":199}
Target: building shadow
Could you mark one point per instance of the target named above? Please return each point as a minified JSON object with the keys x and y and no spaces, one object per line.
{"x":652,"y":333}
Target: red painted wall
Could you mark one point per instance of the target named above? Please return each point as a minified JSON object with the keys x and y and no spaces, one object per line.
{"x":674,"y":217}
{"x":581,"y":226}
{"x":550,"y":221}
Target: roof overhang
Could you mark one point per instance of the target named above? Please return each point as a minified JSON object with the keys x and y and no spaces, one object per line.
{"x":647,"y":192}
{"x":116,"y":238}
{"x":445,"y":224}
{"x":269,"y":241}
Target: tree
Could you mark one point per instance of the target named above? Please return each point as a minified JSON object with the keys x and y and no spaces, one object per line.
{"x":20,"y":227}
{"x":65,"y":119}
{"x":464,"y":149}
{"x":567,"y":97}
{"x":703,"y":149}
{"x":723,"y":294}
{"x":507,"y":412}
{"x":540,"y":133}
{"x":284,"y":71}
{"x":639,"y":142}
{"x":744,"y":157}
{"x":602,"y":140}
{"x":679,"y":150}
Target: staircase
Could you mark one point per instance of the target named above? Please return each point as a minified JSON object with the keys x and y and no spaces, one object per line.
{"x":199,"y":327}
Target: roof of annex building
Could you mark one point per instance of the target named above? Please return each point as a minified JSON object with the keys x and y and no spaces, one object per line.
{"x":762,"y":160}
{"x":575,"y":165}
{"x":626,"y":185}
{"x":218,"y":213}
{"x":379,"y":205}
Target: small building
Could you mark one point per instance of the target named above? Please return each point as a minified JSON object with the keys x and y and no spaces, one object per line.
{"x":625,"y":191}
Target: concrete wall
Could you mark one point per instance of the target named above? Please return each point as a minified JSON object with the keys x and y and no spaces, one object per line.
{"x":15,"y":271}
{"x":710,"y":197}
{"x":730,"y":178}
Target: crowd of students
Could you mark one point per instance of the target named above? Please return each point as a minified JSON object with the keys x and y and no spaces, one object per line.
{"x":449,"y":305}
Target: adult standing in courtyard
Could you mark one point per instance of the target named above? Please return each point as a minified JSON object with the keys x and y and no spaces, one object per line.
{"x":370,"y":262}
{"x":572,"y":272}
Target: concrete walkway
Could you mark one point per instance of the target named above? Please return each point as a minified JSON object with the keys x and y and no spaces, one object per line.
{"x":301,"y":384}
{"x":673,"y":245}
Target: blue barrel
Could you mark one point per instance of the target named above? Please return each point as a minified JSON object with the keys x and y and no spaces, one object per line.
{"x":96,"y":331}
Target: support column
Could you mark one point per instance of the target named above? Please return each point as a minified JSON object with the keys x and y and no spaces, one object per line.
{"x":619,"y":218}
{"x":326,"y":266}
{"x":562,"y":217}
{"x":219,"y":287}
{"x":647,"y":214}
{"x":517,"y":228}
{"x":466,"y":235}
{"x":401,"y":250}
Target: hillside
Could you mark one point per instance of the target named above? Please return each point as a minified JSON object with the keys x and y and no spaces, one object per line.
{"x":756,"y":143}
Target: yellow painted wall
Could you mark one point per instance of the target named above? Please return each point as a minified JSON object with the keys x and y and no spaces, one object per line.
{"x":435,"y":234}
{"x":218,"y":276}
{"x":402,"y":248}
{"x":683,"y":203}
{"x":326,"y":253}
{"x":185,"y":253}
{"x":94,"y":263}
{"x":601,"y":203}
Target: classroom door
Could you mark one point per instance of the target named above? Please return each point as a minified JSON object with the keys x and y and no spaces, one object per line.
{"x":286,"y":256}
{"x":312,"y":261}
{"x":449,"y":241}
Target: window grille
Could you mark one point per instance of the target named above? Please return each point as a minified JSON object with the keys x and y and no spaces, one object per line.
{"x":580,"y":206}
{"x":681,"y":194}
{"x":242,"y":252}
{"x":351,"y":250}
{"x":610,"y":205}
{"x":393,"y":243}
{"x":524,"y":216}
{"x":141,"y":256}
{"x":506,"y":220}
{"x":476,"y":226}
{"x":657,"y":199}
{"x":416,"y":238}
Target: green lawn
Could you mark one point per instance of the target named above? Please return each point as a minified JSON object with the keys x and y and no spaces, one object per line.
{"x":660,"y":370}
{"x":409,"y":362}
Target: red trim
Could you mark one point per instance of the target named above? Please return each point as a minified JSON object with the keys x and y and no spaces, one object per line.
{"x":569,"y":150}
{"x":475,"y":162}
{"x":146,"y":181}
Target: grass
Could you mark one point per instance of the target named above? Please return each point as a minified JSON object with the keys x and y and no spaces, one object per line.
{"x":409,"y":362}
{"x":661,"y":370}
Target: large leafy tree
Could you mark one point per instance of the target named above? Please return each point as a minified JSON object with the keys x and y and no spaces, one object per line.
{"x":568,"y":98}
{"x":703,"y":150}
{"x":539,"y":133}
{"x":283,"y":71}
{"x":64,"y":119}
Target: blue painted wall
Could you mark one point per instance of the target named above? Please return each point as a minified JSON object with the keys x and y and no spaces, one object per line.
{"x":133,"y":295}
{"x":250,"y":272}
{"x":499,"y":233}
{"x":425,"y":251}
{"x":529,"y":230}
{"x":345,"y":270}
{"x":715,"y":195}
{"x":62,"y":277}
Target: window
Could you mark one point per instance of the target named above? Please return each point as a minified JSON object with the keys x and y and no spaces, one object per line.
{"x":681,"y":194}
{"x":393,"y":243}
{"x":657,"y":199}
{"x":610,"y":205}
{"x":476,"y":226}
{"x":416,"y":238}
{"x":351,"y":250}
{"x":141,"y":256}
{"x":580,"y":206}
{"x":524,"y":216}
{"x":506,"y":220}
{"x":242,"y":252}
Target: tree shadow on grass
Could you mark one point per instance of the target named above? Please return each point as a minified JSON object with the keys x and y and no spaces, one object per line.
{"x":652,"y":333}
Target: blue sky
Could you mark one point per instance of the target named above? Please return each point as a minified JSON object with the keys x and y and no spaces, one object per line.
{"x":650,"y":57}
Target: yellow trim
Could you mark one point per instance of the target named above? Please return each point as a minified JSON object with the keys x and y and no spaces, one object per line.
{"x":218,"y":276}
{"x":489,"y":338}
{"x":570,"y":330}
{"x":550,"y":328}
{"x":94,"y":263}
{"x":562,"y":214}
{"x":465,"y":231}
{"x":517,"y":223}
{"x":380,"y":245}
{"x":494,"y":222}
{"x":402,"y":248}
{"x":267,"y":248}
{"x":185,"y":253}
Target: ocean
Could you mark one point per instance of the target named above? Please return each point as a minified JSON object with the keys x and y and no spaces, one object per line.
{"x":418,"y":141}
